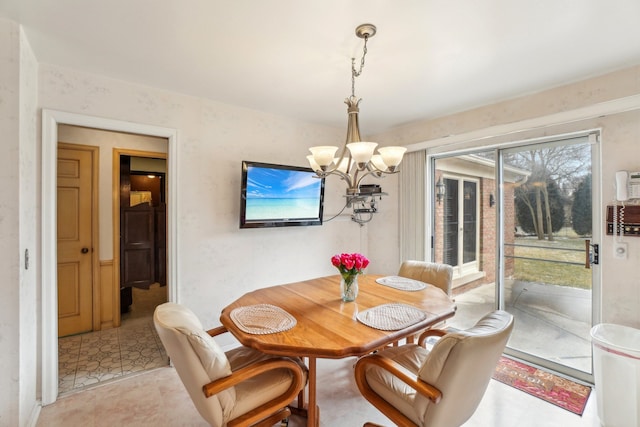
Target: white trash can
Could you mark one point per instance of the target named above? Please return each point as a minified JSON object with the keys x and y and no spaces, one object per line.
{"x":616,"y":373}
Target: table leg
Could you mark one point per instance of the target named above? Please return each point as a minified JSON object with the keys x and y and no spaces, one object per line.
{"x":313,"y":420}
{"x":310,"y":409}
{"x":302,"y":400}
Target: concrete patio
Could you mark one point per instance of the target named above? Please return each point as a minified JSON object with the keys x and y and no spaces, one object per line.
{"x":551,"y":322}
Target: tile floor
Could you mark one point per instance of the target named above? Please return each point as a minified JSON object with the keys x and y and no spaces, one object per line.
{"x":91,"y":358}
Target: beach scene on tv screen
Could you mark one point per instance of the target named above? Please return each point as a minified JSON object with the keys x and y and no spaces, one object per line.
{"x":281,"y":194}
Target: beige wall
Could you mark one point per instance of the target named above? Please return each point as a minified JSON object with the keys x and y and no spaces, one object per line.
{"x":29,"y":229}
{"x":216,"y":261}
{"x":18,"y":227}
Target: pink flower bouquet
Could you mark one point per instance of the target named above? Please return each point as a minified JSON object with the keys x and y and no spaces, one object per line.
{"x":350,"y":264}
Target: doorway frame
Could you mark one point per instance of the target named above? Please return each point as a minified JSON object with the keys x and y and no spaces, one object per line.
{"x":49,"y":298}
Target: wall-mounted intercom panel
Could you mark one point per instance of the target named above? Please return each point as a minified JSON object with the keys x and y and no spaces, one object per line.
{"x":623,"y":218}
{"x":627,"y":220}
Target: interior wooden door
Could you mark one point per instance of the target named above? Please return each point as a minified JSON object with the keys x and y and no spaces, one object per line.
{"x":75,"y":241}
{"x":161,"y":243}
{"x":137,"y":246}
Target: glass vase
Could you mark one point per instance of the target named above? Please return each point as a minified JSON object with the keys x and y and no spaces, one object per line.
{"x":349,"y":288}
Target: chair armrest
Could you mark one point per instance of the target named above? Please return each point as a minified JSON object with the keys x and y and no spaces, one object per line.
{"x":430,"y":333}
{"x":217,"y":331}
{"x":399,"y":371}
{"x":243,"y":374}
{"x":254,"y":370}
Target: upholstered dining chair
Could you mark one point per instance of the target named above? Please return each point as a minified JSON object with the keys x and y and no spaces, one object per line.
{"x":439,"y":275}
{"x":442,"y":387}
{"x":436,"y":274}
{"x":242,"y":387}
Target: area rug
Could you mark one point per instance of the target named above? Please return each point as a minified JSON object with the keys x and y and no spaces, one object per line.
{"x":560,"y":391}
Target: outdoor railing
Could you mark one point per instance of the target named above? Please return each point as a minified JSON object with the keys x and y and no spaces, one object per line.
{"x":545,"y":259}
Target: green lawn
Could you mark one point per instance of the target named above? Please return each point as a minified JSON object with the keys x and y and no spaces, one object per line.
{"x":550,"y":272}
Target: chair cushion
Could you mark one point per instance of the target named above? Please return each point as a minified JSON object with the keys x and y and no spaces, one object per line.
{"x":439,"y":275}
{"x":395,"y":391}
{"x":215,"y":363}
{"x":460,"y":365}
{"x":430,"y":371}
{"x":262,"y":388}
{"x":213,"y":359}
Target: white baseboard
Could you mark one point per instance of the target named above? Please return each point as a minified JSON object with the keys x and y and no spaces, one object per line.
{"x":35,"y":414}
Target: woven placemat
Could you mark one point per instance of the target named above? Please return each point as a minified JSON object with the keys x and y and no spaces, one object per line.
{"x":402,"y":283}
{"x":391,"y":317}
{"x":262,"y":319}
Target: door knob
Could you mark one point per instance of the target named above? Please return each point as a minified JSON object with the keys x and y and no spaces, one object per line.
{"x":84,"y":250}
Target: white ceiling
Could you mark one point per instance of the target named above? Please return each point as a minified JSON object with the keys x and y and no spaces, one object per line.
{"x":292,"y":57}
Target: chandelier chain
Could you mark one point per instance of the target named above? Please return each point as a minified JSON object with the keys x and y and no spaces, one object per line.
{"x":357,"y":73}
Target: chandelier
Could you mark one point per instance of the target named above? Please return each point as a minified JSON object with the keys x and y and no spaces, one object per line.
{"x":357,"y":159}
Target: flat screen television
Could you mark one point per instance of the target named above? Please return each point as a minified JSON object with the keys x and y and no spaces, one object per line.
{"x":280,"y":196}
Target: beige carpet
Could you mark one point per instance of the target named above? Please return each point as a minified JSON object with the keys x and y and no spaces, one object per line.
{"x":158,"y":399}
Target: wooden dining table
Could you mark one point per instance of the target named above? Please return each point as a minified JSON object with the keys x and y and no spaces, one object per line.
{"x":327,"y":327}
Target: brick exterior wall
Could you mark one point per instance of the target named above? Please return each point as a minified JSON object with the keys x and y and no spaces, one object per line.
{"x":488,"y":232}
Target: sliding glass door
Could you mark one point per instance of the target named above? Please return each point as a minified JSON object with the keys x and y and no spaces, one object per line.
{"x":516,"y":224}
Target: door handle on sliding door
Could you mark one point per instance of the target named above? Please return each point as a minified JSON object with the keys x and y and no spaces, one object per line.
{"x":591,"y":257}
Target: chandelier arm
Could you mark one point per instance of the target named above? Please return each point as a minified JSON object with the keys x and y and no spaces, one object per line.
{"x":355,"y":187}
{"x":373,"y":168}
{"x":326,"y":172}
{"x":361,"y":178}
{"x":346,"y":177}
{"x":344,"y":154}
{"x":342,"y":175}
{"x":374,"y":172}
{"x":356,"y":181}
